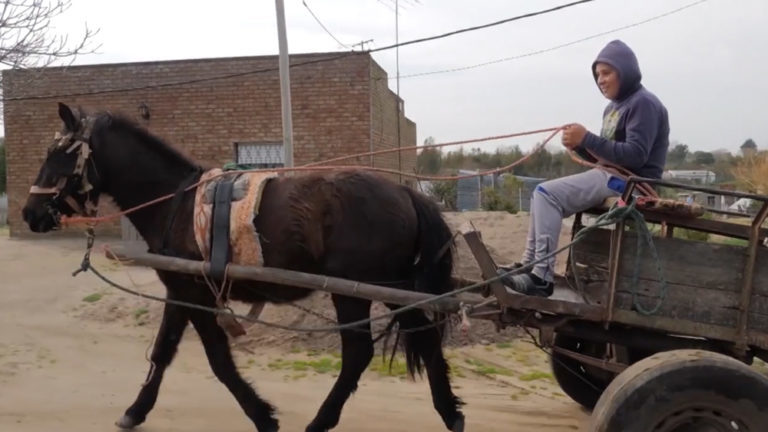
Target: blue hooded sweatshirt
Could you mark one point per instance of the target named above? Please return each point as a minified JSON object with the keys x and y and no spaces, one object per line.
{"x":635,"y":133}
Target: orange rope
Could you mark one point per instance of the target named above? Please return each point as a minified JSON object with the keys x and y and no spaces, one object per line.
{"x":452,"y":143}
{"x":74,"y":220}
{"x":94,"y":220}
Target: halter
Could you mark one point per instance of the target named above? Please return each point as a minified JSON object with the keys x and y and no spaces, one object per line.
{"x":73,"y":143}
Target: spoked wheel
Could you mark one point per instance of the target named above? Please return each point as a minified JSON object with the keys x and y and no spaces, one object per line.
{"x":684,"y":391}
{"x":581,"y":382}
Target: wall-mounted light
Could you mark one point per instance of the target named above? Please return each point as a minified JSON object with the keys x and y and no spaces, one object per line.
{"x":144,"y":111}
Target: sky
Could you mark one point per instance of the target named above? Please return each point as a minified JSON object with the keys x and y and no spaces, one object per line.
{"x":706,"y":63}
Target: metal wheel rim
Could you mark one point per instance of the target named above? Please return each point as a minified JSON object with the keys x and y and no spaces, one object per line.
{"x":701,"y":419}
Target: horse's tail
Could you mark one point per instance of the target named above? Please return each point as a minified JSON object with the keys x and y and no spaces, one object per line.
{"x":433,"y":271}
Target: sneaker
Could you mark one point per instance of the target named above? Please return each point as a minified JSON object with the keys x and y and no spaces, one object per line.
{"x":527,"y":284}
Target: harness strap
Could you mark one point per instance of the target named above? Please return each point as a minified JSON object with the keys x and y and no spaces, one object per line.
{"x":175,"y":203}
{"x":220,"y":251}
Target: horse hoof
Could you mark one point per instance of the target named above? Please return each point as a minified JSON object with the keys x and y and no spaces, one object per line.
{"x":126,"y":422}
{"x":458,"y":425}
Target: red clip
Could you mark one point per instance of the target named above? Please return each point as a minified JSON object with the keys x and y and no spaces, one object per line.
{"x":621,"y":203}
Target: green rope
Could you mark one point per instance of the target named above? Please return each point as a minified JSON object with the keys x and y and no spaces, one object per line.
{"x":615,"y":215}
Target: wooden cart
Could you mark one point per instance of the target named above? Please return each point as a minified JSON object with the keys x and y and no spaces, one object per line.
{"x":647,"y":349}
{"x":657,"y":349}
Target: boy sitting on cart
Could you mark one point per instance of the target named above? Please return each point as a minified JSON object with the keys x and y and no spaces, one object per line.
{"x":634,"y":136}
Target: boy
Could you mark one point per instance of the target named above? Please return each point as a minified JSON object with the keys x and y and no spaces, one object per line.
{"x":635,"y":136}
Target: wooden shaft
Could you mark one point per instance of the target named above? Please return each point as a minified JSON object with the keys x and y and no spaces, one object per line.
{"x":299,"y":279}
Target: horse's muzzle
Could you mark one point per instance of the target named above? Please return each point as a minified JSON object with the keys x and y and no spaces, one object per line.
{"x":37,"y":215}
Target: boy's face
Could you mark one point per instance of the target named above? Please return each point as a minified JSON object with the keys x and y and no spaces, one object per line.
{"x":607,"y":80}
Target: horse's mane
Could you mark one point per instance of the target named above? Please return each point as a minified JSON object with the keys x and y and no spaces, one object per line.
{"x":127,"y":125}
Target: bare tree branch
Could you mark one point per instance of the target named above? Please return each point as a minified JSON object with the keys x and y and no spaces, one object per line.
{"x":27,"y":38}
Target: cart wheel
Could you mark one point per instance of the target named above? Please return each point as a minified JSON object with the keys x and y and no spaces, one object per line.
{"x":582,"y":383}
{"x":681,"y":391}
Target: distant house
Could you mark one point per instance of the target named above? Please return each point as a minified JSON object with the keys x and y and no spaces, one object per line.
{"x":749,"y":148}
{"x":703,"y":177}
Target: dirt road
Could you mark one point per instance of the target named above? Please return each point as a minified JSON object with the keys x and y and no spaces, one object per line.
{"x":72,"y":358}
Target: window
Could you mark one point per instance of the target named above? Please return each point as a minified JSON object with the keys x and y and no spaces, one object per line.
{"x":260,"y":155}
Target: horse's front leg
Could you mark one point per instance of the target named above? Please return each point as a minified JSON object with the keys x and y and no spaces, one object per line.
{"x":356,"y":355}
{"x":219,"y":355}
{"x":168,"y":337}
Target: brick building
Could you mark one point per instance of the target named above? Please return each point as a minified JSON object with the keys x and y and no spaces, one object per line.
{"x":215,"y":110}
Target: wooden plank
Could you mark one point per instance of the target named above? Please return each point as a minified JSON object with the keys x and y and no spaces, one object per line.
{"x":711,"y":226}
{"x":676,"y":326}
{"x":684,"y":262}
{"x":760,"y":280}
{"x":689,"y":328}
{"x":302,"y":280}
{"x":524,"y":302}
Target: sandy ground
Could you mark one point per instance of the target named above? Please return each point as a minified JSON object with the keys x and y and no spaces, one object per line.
{"x":72,"y":357}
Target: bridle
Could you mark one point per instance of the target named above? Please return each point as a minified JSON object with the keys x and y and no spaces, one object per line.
{"x":62,"y":191}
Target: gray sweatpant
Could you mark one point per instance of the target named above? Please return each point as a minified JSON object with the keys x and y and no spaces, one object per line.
{"x":556,"y":199}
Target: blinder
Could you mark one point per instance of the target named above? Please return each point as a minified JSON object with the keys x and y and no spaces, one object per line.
{"x":76,"y":182}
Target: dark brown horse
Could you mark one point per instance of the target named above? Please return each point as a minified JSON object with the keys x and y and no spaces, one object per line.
{"x":348,"y":224}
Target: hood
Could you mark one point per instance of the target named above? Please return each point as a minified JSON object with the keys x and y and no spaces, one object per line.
{"x":622,"y":58}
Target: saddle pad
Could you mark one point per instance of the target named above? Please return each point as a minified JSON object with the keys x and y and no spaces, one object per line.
{"x":246,"y":197}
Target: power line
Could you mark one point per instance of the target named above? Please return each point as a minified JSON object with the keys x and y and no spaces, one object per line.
{"x":324,"y":28}
{"x":553,"y":48}
{"x":484,"y":26}
{"x":309,"y":62}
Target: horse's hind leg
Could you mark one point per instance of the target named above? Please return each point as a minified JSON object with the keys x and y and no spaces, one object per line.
{"x":427,"y":344}
{"x":220,"y":358}
{"x":171,"y":329}
{"x":356,"y":354}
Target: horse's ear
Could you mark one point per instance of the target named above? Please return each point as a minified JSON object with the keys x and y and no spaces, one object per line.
{"x":68,"y":117}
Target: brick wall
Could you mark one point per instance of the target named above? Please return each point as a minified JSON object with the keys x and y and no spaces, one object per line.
{"x":334,"y":105}
{"x":384,"y":127}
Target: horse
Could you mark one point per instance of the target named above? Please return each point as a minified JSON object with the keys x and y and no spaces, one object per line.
{"x":348,"y":223}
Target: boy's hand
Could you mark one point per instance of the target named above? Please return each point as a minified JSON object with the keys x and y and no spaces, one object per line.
{"x":573,"y":135}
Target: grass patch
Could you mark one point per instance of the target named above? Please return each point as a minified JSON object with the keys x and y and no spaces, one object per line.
{"x":485,"y":369}
{"x":382,"y":367}
{"x":504,"y":345}
{"x":536,"y":375}
{"x":138,"y":313}
{"x":92,"y":298}
{"x":322,"y":365}
{"x":731,"y":241}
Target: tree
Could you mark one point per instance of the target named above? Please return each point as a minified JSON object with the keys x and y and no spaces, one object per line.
{"x":445,"y":192}
{"x":27,"y":37}
{"x":504,"y":197}
{"x":703,"y":158}
{"x":752,"y":173}
{"x":429,"y":160}
{"x":677,"y":155}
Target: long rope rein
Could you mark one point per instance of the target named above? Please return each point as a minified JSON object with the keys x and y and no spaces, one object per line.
{"x":614,"y":215}
{"x":319,"y":166}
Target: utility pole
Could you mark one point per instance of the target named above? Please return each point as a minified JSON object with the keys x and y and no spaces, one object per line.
{"x":397,"y":101}
{"x":285,"y":85}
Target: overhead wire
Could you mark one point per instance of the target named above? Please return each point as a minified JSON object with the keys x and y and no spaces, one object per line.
{"x":332,"y":57}
{"x":556,"y":47}
{"x":304,"y":2}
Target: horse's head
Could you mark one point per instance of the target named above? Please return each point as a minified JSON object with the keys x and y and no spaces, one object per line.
{"x":67,"y":182}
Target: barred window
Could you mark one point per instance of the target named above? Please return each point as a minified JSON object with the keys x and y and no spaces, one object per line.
{"x":260,"y":155}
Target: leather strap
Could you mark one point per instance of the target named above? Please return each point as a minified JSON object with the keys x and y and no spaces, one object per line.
{"x":220,"y":251}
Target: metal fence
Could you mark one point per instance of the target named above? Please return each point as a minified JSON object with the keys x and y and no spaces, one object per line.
{"x":469,"y":191}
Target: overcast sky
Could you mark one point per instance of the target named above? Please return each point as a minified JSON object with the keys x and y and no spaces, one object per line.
{"x":706,"y":63}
